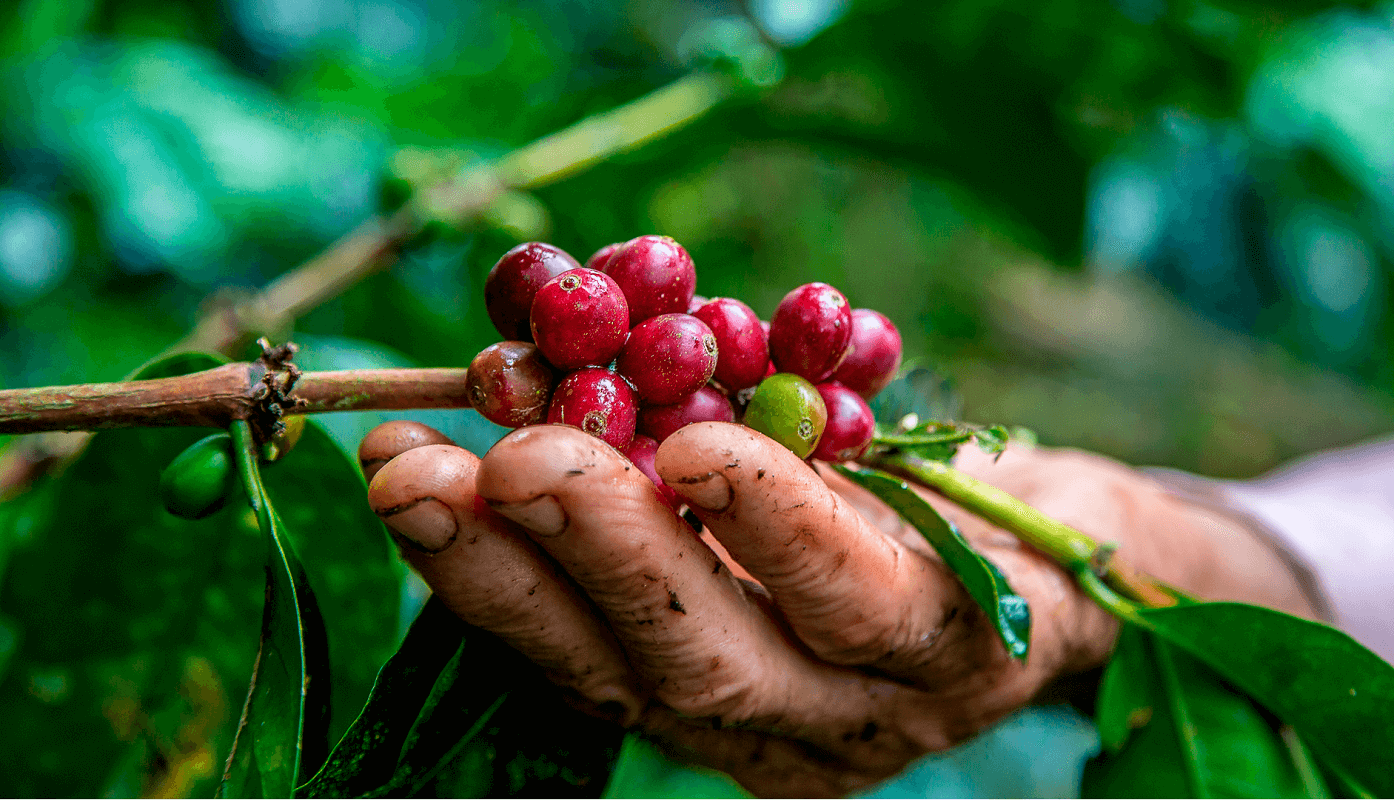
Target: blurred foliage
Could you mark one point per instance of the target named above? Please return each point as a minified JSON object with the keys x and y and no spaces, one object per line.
{"x":1157,"y":230}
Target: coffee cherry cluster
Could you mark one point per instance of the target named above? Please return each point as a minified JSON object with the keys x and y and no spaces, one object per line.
{"x":624,"y":349}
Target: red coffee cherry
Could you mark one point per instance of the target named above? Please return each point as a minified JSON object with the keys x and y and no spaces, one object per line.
{"x":641,"y":451}
{"x":580,"y":318}
{"x":668,"y":357}
{"x":656,"y":274}
{"x":601,"y":257}
{"x":743,"y":352}
{"x":695,"y":303}
{"x":510,"y":384}
{"x":850,"y":424}
{"x":704,"y":405}
{"x":810,"y":331}
{"x":513,"y":283}
{"x":598,"y":402}
{"x":875,"y":355}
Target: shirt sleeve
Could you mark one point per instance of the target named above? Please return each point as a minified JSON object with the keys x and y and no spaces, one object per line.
{"x":1333,"y":514}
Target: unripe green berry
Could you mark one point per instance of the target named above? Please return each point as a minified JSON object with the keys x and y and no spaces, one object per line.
{"x":281,"y":443}
{"x":786,"y":408}
{"x":199,"y":480}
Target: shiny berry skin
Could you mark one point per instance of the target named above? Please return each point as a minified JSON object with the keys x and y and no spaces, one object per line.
{"x":513,"y":283}
{"x":789,"y":410}
{"x":601,"y":257}
{"x":656,"y":274}
{"x":510,"y":384}
{"x":875,"y":355}
{"x":668,"y":357}
{"x":695,"y":303}
{"x":641,"y":452}
{"x":850,"y":424}
{"x":579,"y":318}
{"x":704,"y":405}
{"x":598,"y":402}
{"x":742,"y":351}
{"x":810,"y":331}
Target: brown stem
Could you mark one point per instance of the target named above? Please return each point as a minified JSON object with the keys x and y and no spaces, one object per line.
{"x":216,"y":397}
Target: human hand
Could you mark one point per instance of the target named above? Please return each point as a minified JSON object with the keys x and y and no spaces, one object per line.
{"x":855,"y":652}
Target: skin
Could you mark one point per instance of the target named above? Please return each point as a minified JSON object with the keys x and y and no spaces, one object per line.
{"x":815,"y":645}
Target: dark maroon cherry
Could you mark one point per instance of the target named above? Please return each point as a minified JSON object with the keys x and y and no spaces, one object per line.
{"x":668,"y":357}
{"x":598,"y":402}
{"x":513,"y":283}
{"x":656,"y":274}
{"x":874,"y":357}
{"x":580,"y":318}
{"x":743,"y":352}
{"x":510,"y":384}
{"x":704,"y":405}
{"x":810,"y":331}
{"x":601,"y":257}
{"x":641,"y":451}
{"x":850,"y":424}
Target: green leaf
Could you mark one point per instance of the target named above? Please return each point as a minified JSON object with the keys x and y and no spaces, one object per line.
{"x":1338,"y":695}
{"x":644,"y":771}
{"x":1171,"y":727}
{"x":129,"y":632}
{"x":322,"y":501}
{"x":992,"y":439}
{"x":921,"y":392}
{"x":458,"y":713}
{"x":985,"y":583}
{"x":283,"y":732}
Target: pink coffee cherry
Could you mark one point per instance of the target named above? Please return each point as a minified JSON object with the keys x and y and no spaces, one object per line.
{"x":579,"y":318}
{"x":668,"y":357}
{"x":704,"y":405}
{"x":695,"y":303}
{"x":513,"y":283}
{"x":810,"y":331}
{"x":601,"y":257}
{"x":641,"y":451}
{"x":656,"y":274}
{"x":743,"y":352}
{"x":850,"y":424}
{"x":598,"y":402}
{"x":875,"y":355}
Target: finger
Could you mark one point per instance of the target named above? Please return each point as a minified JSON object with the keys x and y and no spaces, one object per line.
{"x":688,"y":627}
{"x":492,"y":576}
{"x":852,"y":593}
{"x":391,"y":439}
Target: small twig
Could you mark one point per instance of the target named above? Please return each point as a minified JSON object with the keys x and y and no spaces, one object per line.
{"x":216,"y":397}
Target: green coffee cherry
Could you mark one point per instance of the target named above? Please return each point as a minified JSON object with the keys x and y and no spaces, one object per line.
{"x":199,"y":480}
{"x":282,"y":443}
{"x":789,"y":410}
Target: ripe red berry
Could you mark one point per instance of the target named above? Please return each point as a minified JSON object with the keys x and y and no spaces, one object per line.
{"x":513,"y":283}
{"x":850,"y":424}
{"x":580,"y":318}
{"x":601,"y":257}
{"x":641,"y":451}
{"x":704,"y":405}
{"x":810,"y":331}
{"x":743,"y":352}
{"x":875,"y":354}
{"x":510,"y":384}
{"x":598,"y":402}
{"x":668,"y":357}
{"x":695,"y":303}
{"x":656,"y":274}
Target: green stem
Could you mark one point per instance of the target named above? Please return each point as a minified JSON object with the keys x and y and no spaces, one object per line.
{"x":245,"y":451}
{"x":1077,"y":552}
{"x":914,"y":440}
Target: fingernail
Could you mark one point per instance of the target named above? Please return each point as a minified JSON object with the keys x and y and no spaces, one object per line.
{"x":616,"y":703}
{"x":425,"y":524}
{"x":709,"y":492}
{"x":542,"y":515}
